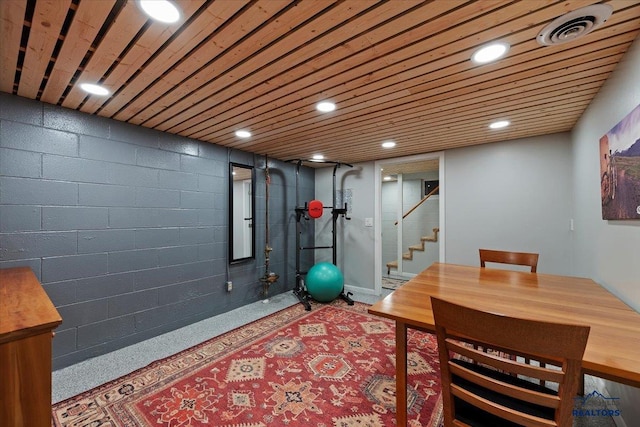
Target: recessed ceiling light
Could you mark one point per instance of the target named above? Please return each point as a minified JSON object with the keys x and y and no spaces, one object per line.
{"x":490,"y":52}
{"x":325,"y":106}
{"x":161,"y":10}
{"x":318,"y":157}
{"x":388,"y":144}
{"x":387,"y":178}
{"x":499,"y":124}
{"x":243,"y":133}
{"x":94,"y":89}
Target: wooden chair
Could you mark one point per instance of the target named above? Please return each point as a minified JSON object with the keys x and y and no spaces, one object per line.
{"x":514,"y":258}
{"x":485,"y":393}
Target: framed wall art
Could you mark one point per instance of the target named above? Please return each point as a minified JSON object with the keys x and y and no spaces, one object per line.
{"x":620,"y":169}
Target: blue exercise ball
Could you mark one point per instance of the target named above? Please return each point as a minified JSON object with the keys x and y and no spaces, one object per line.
{"x":324,"y":282}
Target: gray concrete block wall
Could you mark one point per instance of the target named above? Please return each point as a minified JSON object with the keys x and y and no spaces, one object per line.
{"x":126,"y":227}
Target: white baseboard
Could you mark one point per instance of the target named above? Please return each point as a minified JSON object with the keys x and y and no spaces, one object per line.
{"x":360,"y":290}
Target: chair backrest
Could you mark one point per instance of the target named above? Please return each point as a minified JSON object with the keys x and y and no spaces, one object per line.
{"x":505,"y":257}
{"x":487,"y":384}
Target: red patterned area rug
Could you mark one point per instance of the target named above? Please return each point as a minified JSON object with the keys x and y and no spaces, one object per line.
{"x":328,"y":367}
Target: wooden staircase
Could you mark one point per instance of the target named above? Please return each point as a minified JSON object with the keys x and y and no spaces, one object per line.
{"x":419,"y":247}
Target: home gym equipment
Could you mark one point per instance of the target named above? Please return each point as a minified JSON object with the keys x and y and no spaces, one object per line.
{"x":322,"y":289}
{"x":315,"y":209}
{"x":269,"y":277}
{"x":324,"y":282}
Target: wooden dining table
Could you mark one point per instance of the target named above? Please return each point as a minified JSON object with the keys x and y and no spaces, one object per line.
{"x":613,"y":347}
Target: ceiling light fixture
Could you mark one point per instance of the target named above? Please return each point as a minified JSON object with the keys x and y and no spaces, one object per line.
{"x":490,"y":52}
{"x":325,"y":106}
{"x":388,"y":144}
{"x":499,"y":124}
{"x":243,"y":133}
{"x":94,"y":89}
{"x":161,"y":10}
{"x":317,"y":157}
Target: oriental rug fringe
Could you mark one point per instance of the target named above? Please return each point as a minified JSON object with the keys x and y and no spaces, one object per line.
{"x":331,"y":366}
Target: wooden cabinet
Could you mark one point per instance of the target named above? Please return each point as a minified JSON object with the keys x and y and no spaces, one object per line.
{"x":27,"y":320}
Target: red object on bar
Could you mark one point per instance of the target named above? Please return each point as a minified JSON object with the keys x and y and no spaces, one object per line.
{"x":315,"y":209}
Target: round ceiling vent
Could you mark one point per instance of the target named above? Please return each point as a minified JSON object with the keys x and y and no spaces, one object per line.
{"x":574,"y":24}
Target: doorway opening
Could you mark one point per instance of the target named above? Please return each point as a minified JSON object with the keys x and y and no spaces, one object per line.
{"x":409,"y":217}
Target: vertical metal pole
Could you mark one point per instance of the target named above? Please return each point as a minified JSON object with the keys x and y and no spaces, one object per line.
{"x":400,"y":229}
{"x":298,"y":226}
{"x":267,"y":248}
{"x":335,"y":217}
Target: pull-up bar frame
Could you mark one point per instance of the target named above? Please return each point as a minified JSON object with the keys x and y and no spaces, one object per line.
{"x":301,"y":212}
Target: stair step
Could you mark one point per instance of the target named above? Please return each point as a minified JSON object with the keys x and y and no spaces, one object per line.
{"x":409,"y":255}
{"x":433,"y":238}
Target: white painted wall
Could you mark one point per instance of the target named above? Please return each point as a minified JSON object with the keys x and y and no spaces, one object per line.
{"x":419,"y":223}
{"x":607,"y":251}
{"x":513,"y":195}
{"x":355,"y":240}
{"x":389,"y":214}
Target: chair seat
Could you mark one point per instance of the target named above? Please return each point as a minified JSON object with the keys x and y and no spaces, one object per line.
{"x":500,"y":385}
{"x":477,"y":417}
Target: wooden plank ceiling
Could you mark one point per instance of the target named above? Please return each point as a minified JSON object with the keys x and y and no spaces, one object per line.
{"x":397,"y":70}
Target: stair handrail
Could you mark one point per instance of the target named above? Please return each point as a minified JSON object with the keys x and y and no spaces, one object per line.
{"x":424,"y":199}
